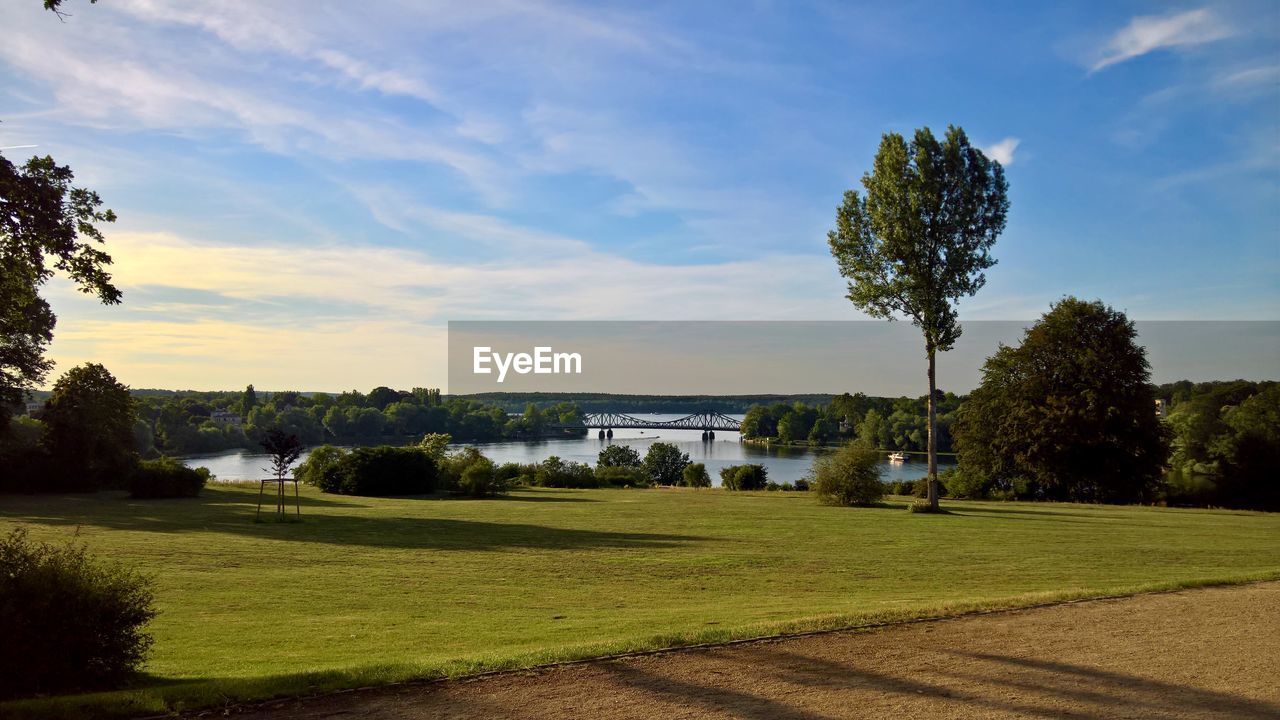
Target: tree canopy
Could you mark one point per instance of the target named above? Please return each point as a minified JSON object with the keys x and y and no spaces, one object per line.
{"x":920,"y":238}
{"x":89,"y":423}
{"x":47,"y":225}
{"x":1068,"y":414}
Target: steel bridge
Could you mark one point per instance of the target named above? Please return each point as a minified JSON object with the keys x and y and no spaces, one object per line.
{"x":707,"y":422}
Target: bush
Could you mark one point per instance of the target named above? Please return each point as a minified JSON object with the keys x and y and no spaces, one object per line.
{"x":665,"y":464}
{"x":802,"y":485}
{"x":772,"y":486}
{"x":321,"y":463}
{"x":67,"y":621}
{"x":849,"y":476}
{"x":382,"y":470}
{"x":744,"y":477}
{"x":621,"y":477}
{"x":556,"y":473}
{"x":516,"y":474}
{"x":480,"y":479}
{"x":166,"y":478}
{"x":695,"y":476}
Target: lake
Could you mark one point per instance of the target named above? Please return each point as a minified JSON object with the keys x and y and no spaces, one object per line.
{"x":785,"y":464}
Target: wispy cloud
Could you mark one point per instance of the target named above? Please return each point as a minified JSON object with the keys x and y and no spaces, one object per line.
{"x":1002,"y":152}
{"x":1148,"y":33}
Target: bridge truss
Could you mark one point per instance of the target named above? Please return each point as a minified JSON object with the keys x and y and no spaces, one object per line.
{"x":704,"y":421}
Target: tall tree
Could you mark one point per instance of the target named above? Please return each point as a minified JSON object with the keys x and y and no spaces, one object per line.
{"x":1068,"y":414}
{"x":248,"y":400}
{"x":46,"y":225}
{"x":89,"y":436}
{"x":920,"y":239}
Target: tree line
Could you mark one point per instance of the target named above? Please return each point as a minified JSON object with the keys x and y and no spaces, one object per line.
{"x":184,"y":423}
{"x":878,"y":422}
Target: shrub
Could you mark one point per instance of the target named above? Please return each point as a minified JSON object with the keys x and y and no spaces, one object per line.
{"x":516,"y":474}
{"x":166,"y":478}
{"x":772,"y":486}
{"x":621,"y":477}
{"x":664,"y":464}
{"x":453,"y":464}
{"x":849,"y":476}
{"x":382,"y":470}
{"x":556,"y":473}
{"x":321,"y":462}
{"x":480,"y":479}
{"x":802,"y":485}
{"x":744,"y":477}
{"x":695,"y":476}
{"x":68,"y":622}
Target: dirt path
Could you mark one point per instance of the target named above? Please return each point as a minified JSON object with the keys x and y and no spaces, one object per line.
{"x":1211,"y":652}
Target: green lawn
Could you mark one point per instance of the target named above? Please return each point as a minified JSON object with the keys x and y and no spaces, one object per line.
{"x":371,"y":590}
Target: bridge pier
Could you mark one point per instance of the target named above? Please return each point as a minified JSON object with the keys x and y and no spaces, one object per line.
{"x":609,"y":432}
{"x":601,"y":434}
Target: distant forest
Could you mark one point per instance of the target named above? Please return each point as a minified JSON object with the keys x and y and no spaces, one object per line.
{"x":610,"y":402}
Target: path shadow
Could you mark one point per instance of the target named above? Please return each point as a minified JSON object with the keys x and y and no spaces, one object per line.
{"x":1039,"y":687}
{"x":1112,"y":690}
{"x":735,"y":703}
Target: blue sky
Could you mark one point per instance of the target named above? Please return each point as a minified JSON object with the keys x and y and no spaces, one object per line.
{"x":308,"y":191}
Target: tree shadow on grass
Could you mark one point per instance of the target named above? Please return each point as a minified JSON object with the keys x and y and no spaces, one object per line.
{"x":229,"y":512}
{"x":1035,"y":514}
{"x":540,"y":498}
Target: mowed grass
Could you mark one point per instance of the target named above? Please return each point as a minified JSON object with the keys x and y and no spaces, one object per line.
{"x":370,"y":590}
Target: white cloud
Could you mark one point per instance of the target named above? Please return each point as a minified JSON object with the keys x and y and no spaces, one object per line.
{"x":1002,"y":152}
{"x":1148,"y":33}
{"x":1263,"y":77}
{"x":303,"y":316}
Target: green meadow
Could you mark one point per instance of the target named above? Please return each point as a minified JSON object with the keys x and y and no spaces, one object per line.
{"x":370,"y":590}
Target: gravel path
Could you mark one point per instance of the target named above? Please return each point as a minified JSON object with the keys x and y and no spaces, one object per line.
{"x":1212,"y":652}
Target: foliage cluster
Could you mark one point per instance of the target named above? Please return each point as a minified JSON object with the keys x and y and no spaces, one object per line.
{"x":850,"y":476}
{"x":166,"y":478}
{"x":1226,"y":444}
{"x":886,"y":423}
{"x":1068,"y":414}
{"x":68,"y":622}
{"x":744,"y":477}
{"x":191,"y":422}
{"x":380,"y":471}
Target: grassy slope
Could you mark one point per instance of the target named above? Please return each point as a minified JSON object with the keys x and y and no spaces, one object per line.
{"x":372,"y":590}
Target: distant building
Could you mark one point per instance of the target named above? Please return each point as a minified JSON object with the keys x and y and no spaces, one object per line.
{"x":1162,"y":408}
{"x":34,"y":407}
{"x":222,"y":417}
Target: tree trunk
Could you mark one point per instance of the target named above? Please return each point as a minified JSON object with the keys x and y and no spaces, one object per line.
{"x":933,"y":436}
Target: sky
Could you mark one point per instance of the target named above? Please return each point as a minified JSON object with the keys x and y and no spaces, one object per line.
{"x":309,"y":191}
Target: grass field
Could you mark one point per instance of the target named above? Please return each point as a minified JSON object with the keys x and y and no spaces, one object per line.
{"x":370,"y":590}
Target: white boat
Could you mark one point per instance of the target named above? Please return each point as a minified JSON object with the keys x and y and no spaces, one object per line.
{"x":897,"y":457}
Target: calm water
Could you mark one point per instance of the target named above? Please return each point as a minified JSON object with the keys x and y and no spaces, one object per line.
{"x":784,"y":464}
